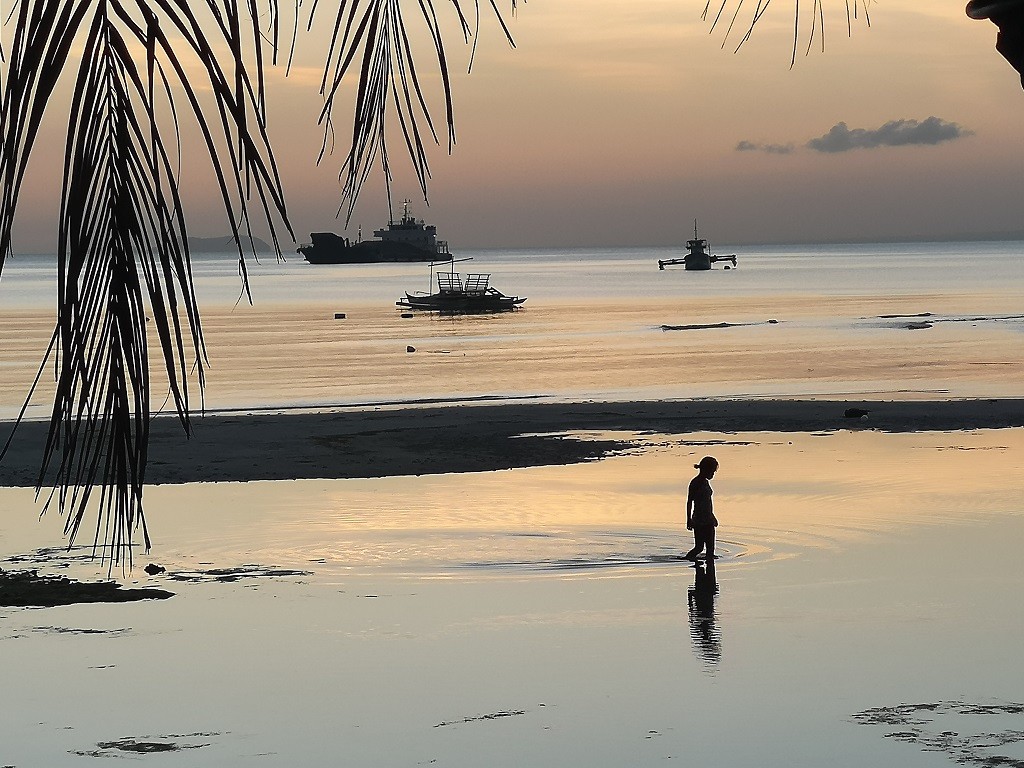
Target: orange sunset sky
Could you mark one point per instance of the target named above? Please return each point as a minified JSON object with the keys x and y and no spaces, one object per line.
{"x":618,"y":123}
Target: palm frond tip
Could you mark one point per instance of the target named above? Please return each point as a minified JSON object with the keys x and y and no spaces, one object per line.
{"x":122,"y":245}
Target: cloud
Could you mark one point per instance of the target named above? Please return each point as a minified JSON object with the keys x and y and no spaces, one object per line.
{"x":771,"y":149}
{"x":895,"y":133}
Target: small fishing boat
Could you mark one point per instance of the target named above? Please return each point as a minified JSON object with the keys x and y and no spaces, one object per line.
{"x":698,"y":255}
{"x":458,"y":294}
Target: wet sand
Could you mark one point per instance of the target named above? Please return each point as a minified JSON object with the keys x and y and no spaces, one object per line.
{"x":407,"y":441}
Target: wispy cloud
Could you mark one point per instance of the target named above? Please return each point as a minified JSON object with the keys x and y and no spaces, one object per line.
{"x":895,"y":133}
{"x":771,"y":149}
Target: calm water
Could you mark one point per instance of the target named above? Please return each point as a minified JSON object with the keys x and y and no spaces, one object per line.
{"x":865,"y":610}
{"x":592,"y":328}
{"x":868,"y":588}
{"x":581,"y":275}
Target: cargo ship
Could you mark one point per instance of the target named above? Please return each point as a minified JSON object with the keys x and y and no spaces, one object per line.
{"x":408,"y":239}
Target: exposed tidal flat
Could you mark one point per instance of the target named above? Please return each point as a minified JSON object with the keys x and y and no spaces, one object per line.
{"x":394,"y":606}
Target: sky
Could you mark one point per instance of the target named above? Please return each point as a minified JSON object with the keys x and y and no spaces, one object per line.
{"x":619,"y":123}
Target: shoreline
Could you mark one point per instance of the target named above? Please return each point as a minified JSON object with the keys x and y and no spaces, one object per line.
{"x":344,"y":444}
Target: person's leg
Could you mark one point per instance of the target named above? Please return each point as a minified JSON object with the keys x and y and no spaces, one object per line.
{"x":698,"y":543}
{"x":710,"y":542}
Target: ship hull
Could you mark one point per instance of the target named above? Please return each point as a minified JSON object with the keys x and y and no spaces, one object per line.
{"x":328,"y":248}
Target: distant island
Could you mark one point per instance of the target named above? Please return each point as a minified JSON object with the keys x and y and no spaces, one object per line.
{"x":223,"y":244}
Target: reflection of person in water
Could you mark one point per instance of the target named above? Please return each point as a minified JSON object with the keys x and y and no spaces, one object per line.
{"x":700,"y":515}
{"x":700,"y":599}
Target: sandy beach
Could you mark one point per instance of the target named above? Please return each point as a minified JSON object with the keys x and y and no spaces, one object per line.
{"x":401,"y":441}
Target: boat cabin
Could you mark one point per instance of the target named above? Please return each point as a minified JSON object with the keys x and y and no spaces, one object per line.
{"x":697,"y":254}
{"x":414,"y":232}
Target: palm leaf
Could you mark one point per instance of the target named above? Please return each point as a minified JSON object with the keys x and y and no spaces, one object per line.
{"x":123,"y":257}
{"x":370,"y":41}
{"x":743,"y":16}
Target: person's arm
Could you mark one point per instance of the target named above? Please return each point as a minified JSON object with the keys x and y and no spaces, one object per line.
{"x":689,"y":508}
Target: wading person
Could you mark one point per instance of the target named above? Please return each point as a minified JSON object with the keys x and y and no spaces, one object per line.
{"x":700,"y":515}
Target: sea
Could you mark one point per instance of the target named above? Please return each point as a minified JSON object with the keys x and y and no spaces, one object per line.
{"x":906,"y":320}
{"x":864,"y":610}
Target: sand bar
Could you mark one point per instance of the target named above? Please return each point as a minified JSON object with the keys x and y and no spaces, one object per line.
{"x":475,"y":438}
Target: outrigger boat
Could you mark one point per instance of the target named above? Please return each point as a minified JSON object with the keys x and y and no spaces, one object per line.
{"x":456,"y":294}
{"x":698,"y":255}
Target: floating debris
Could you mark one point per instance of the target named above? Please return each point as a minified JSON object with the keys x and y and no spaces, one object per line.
{"x":148,"y":745}
{"x":492,"y":716}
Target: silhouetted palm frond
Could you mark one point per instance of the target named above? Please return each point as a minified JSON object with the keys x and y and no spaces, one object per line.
{"x":123,"y":260}
{"x":372,"y":36}
{"x":808,"y":18}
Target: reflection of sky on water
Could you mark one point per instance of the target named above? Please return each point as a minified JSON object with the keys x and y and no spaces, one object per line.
{"x":898,"y":589}
{"x":777,"y":494}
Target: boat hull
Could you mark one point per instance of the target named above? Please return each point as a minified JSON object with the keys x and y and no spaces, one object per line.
{"x":329,"y":248}
{"x":460,"y":304}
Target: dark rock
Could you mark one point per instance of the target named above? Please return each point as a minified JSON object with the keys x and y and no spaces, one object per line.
{"x":27,"y":588}
{"x":152,"y":569}
{"x":410,"y":348}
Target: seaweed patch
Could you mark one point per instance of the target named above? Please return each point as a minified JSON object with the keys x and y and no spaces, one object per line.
{"x":27,"y":589}
{"x":53,"y":557}
{"x":952,"y":728}
{"x":81,"y":631}
{"x":147,"y":745}
{"x":479,"y":718}
{"x":237,"y":573}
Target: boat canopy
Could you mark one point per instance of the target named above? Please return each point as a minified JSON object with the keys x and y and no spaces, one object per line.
{"x":452,"y":282}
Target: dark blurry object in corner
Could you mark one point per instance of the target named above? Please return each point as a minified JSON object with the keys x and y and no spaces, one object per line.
{"x":1008,"y":15}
